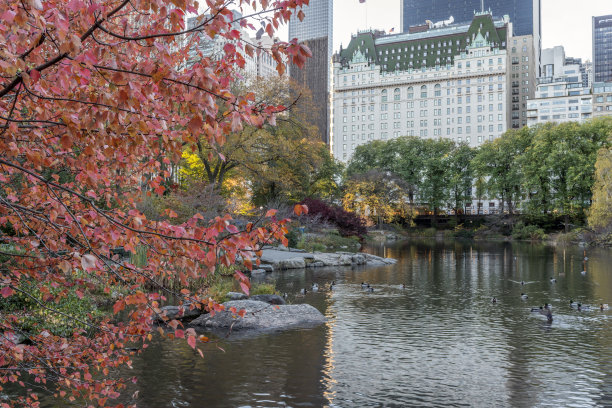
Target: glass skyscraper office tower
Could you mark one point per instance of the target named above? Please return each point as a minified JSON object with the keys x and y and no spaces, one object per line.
{"x":602,"y":48}
{"x":316,"y":32}
{"x":524,"y":14}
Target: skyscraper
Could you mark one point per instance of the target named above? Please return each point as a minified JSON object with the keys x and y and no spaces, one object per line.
{"x":602,"y":48}
{"x":316,"y":32}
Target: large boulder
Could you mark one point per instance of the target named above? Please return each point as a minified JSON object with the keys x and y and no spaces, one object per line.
{"x":271,"y":299}
{"x":260,"y":316}
{"x":179,"y":312}
{"x":236,"y":296}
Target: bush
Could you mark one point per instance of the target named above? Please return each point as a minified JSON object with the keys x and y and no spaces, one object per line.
{"x":331,"y":241}
{"x":429,"y":232}
{"x":527,"y":232}
{"x":348,"y":224}
{"x":293,"y":236}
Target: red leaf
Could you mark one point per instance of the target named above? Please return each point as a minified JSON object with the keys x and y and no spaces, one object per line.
{"x":191,"y":340}
{"x":179,"y":333}
{"x":245,"y":287}
{"x":271,"y":213}
{"x":88,"y":261}
{"x":7,"y":291}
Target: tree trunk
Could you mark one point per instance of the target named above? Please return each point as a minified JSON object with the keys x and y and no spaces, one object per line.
{"x":566,"y":221}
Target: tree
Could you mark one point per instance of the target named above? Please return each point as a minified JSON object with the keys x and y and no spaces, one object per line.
{"x":377,"y":195}
{"x":461,"y":176}
{"x":93,"y":103}
{"x":600,"y":213}
{"x":498,"y":161}
{"x":559,"y":166}
{"x":436,"y":174}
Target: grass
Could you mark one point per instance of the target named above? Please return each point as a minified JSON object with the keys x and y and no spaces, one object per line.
{"x":331,"y":241}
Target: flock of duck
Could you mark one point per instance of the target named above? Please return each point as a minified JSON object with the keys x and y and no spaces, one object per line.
{"x":546,"y":309}
{"x":543,"y":310}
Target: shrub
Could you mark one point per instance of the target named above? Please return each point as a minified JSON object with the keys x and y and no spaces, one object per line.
{"x":348,"y":224}
{"x":429,"y":232}
{"x":527,"y":232}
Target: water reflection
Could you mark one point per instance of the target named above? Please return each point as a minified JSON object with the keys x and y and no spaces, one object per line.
{"x":438,"y":342}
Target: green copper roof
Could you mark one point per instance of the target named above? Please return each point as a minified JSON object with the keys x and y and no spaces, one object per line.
{"x":425,"y":49}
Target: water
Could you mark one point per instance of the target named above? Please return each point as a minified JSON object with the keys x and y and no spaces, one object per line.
{"x":439,"y":342}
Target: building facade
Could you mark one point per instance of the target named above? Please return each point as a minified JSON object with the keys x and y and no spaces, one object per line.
{"x":560,"y":93}
{"x":524,"y":14}
{"x":315,"y":30}
{"x":522,"y":74}
{"x":446,"y":82}
{"x":602,"y":48}
{"x":260,"y":65}
{"x":602,"y":99}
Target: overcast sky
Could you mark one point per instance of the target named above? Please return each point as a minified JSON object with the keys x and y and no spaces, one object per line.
{"x":564,"y":22}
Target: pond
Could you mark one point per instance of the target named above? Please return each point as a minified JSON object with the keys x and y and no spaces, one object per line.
{"x":438,"y":342}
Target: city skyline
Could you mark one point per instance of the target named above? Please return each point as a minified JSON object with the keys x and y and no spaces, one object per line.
{"x":557,"y":15}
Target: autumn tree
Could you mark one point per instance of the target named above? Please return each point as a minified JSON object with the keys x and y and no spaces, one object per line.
{"x":94,"y":108}
{"x":600,"y":213}
{"x":377,"y":195}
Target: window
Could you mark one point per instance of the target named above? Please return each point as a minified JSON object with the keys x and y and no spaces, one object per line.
{"x":396,"y":94}
{"x":437,"y":90}
{"x":383,"y":94}
{"x":424,"y":91}
{"x":410,"y":92}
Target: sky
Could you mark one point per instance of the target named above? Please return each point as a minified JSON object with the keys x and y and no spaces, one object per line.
{"x":564,"y":22}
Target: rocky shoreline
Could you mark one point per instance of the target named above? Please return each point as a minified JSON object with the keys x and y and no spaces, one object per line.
{"x":280,"y":258}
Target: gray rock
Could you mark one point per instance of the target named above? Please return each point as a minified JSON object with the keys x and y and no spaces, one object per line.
{"x":266,"y":267}
{"x":260,"y":316}
{"x":179,"y":312}
{"x":271,"y":299}
{"x":258,"y":271}
{"x":236,"y":296}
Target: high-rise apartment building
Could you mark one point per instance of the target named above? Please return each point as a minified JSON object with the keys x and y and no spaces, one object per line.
{"x":602,"y":99}
{"x":258,"y":65}
{"x":315,"y":30}
{"x":561,"y":94}
{"x":602,"y":48}
{"x":522,"y":74}
{"x":443,"y":82}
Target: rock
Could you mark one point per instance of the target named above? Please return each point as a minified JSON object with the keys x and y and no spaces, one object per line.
{"x":291,"y":263}
{"x":266,"y":267}
{"x":316,"y":264}
{"x":236,"y":296}
{"x":179,"y":312}
{"x":358,"y":259}
{"x":271,"y":299}
{"x":260,"y":316}
{"x":258,"y":271}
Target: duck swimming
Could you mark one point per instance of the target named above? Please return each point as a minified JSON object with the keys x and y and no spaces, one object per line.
{"x":494,"y":300}
{"x":369,"y":289}
{"x":524,"y":296}
{"x":583,"y":272}
{"x":315,"y":287}
{"x":553,"y":280}
{"x":603,"y":306}
{"x":303,"y":291}
{"x":365,"y":285}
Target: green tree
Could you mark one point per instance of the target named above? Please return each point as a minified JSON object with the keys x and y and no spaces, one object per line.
{"x":497,"y":162}
{"x":435,"y":186}
{"x":460,"y":175}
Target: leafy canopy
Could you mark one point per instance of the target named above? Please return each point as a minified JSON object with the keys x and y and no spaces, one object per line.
{"x":95,"y":108}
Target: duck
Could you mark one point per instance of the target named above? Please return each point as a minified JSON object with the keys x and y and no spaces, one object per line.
{"x":303,"y":291}
{"x":365,"y":285}
{"x":524,"y":296}
{"x":572,"y":304}
{"x":331,"y":285}
{"x":604,"y":306}
{"x":370,"y":289}
{"x":522,"y":282}
{"x":494,"y":300}
{"x":553,"y":280}
{"x":537,"y":309}
{"x":315,"y":287}
{"x":403,"y":286}
{"x":285,"y":295}
{"x":546,"y":312}
{"x":583,"y":272}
